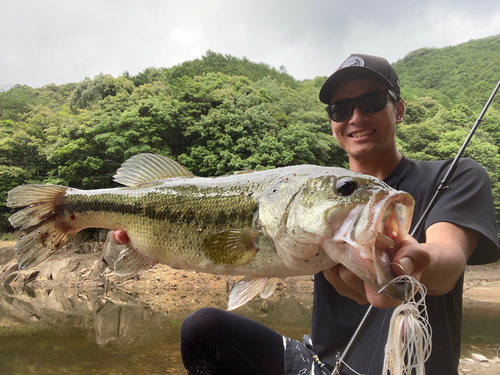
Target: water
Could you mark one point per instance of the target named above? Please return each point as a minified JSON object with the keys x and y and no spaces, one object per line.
{"x":68,"y":332}
{"x":64,"y":331}
{"x":481,"y":330}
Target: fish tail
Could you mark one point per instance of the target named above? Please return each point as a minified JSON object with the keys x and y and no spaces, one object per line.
{"x":41,"y":231}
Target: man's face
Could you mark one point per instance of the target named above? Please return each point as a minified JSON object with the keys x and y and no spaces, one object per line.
{"x":366,"y":135}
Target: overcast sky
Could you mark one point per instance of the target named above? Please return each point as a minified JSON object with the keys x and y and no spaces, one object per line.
{"x":60,"y":41}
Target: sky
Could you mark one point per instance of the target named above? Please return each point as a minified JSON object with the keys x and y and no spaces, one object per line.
{"x":61,"y":41}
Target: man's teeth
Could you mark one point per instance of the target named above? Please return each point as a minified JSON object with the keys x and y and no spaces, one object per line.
{"x":362,"y":133}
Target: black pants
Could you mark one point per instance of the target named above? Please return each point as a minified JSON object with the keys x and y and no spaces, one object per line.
{"x":214,"y":341}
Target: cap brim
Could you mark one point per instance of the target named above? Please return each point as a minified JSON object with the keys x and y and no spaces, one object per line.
{"x":326,"y":92}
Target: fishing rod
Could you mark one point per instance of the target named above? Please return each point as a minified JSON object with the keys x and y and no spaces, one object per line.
{"x":441,"y":189}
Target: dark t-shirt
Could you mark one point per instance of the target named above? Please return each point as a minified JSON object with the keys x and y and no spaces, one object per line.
{"x":467,"y":203}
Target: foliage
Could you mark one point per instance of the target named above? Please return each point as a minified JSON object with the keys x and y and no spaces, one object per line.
{"x":220,"y":114}
{"x":16,"y":100}
{"x":213,"y":62}
{"x":90,"y":91}
{"x":466,"y":73}
{"x":7,"y":237}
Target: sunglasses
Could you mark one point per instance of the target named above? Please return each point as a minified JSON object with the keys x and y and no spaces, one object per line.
{"x":370,"y":102}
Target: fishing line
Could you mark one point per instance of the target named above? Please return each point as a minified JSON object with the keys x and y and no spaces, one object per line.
{"x":441,"y":189}
{"x":339,"y":360}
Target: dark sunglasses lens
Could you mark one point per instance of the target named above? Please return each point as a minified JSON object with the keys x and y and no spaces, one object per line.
{"x":341,"y":110}
{"x":369,"y":103}
{"x":373,"y":102}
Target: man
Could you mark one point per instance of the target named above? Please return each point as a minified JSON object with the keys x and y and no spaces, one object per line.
{"x":460,"y":228}
{"x":364,"y":106}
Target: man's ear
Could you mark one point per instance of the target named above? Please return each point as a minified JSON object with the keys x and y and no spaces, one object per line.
{"x":333,"y":130}
{"x":400,"y":112}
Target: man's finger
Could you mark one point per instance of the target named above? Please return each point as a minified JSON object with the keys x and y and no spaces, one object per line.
{"x":346,"y":283}
{"x":120,"y":237}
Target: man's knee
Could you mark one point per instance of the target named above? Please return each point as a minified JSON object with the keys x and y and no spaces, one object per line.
{"x":202,"y":323}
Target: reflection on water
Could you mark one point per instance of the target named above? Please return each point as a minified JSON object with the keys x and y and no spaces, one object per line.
{"x":65,"y":331}
{"x":481,"y":329}
{"x":73,"y":352}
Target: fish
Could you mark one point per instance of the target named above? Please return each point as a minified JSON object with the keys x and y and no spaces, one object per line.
{"x":262,"y":225}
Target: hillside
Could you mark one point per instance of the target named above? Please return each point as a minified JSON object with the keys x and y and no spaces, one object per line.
{"x":219,"y":113}
{"x":465,"y":74}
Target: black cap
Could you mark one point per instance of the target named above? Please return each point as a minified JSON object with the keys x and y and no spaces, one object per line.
{"x":358,"y":65}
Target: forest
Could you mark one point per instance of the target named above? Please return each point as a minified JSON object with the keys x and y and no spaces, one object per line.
{"x":220,"y":114}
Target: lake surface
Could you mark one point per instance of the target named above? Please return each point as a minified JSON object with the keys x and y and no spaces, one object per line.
{"x":70,"y":332}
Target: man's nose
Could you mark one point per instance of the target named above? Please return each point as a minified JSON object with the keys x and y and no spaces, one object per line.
{"x":358,"y":115}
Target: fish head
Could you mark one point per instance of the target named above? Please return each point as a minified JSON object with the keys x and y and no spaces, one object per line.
{"x":368,"y":229}
{"x":354,"y":219}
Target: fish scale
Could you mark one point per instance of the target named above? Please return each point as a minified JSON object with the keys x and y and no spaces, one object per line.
{"x":283,"y":222}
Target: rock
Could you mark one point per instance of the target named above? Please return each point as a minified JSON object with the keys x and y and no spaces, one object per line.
{"x":85,"y":235}
{"x":111,"y":251}
{"x":103,"y":234}
{"x":479,"y":358}
{"x":10,"y":269}
{"x":6,"y":255}
{"x":85,"y":248}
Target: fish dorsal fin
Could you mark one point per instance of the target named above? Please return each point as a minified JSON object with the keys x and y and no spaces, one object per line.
{"x":248,"y":287}
{"x":244,"y":171}
{"x":131,"y":262}
{"x":146,"y":167}
{"x":232,"y":247}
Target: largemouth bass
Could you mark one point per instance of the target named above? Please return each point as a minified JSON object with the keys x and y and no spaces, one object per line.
{"x":264,"y":225}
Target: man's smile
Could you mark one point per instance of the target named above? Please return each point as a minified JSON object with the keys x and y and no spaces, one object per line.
{"x":361,"y":133}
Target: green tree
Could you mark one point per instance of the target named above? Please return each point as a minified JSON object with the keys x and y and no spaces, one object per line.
{"x":16,"y":100}
{"x":90,"y":91}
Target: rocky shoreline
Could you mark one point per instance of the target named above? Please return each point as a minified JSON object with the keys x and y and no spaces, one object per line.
{"x":85,"y":264}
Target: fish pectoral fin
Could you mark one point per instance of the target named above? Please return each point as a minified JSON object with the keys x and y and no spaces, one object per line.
{"x":232,"y":247}
{"x":142,"y":168}
{"x":131,"y":261}
{"x":248,"y":287}
{"x":269,"y":288}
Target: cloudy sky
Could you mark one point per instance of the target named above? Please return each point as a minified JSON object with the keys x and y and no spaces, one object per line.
{"x":59,"y":41}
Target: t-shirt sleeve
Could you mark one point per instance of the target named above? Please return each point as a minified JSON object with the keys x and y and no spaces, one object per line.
{"x":469,"y":203}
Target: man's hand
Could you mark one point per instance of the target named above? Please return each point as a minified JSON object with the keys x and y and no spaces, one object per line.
{"x":412,"y":256}
{"x":119,"y":237}
{"x":438,"y":264}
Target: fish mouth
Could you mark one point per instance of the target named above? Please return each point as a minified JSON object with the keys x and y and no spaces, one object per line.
{"x":381,"y":230}
{"x":370,"y":238}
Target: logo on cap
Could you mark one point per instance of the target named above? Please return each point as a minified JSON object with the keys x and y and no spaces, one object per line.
{"x":353,"y":61}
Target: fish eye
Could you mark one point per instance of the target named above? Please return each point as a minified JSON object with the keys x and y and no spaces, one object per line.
{"x":346,"y":186}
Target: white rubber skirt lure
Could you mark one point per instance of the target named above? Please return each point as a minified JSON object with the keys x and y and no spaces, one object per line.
{"x":409,"y":343}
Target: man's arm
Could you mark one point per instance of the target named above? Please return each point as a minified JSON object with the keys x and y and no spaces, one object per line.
{"x":438,"y":263}
{"x":451,"y":247}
